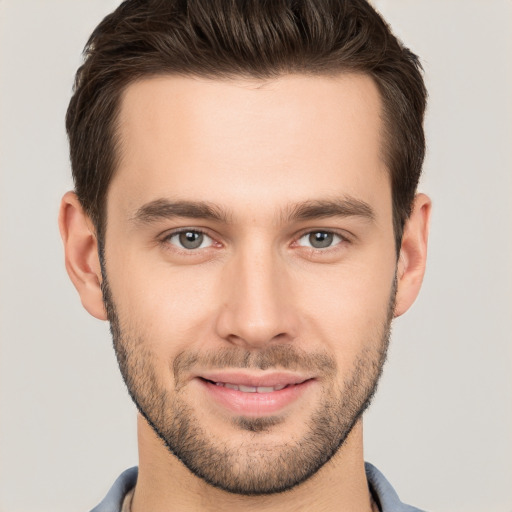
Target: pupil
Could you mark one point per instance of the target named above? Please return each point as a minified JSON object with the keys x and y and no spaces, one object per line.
{"x":191,"y":239}
{"x":320,"y":239}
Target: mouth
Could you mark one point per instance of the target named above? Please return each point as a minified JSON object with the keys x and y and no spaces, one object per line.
{"x":255,"y":395}
{"x":250,"y":389}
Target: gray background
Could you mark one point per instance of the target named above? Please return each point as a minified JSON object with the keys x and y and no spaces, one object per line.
{"x":441,"y":426}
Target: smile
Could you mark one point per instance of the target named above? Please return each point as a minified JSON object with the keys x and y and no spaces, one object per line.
{"x":255,"y":395}
{"x":250,"y":389}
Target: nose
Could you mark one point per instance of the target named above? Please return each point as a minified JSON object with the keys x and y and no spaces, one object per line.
{"x":257,"y":306}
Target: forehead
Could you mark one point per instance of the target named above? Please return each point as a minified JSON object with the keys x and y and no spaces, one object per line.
{"x":292,"y":138}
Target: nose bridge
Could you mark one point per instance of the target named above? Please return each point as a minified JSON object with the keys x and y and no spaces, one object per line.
{"x":256,"y":309}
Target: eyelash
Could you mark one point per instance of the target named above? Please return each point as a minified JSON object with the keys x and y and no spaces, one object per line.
{"x":344,"y":239}
{"x":165,"y":240}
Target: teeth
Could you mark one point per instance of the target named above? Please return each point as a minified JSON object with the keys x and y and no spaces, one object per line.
{"x":247,"y":389}
{"x":263,"y":389}
{"x":250,"y":389}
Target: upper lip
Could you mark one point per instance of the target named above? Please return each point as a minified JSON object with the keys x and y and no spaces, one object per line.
{"x":261,"y":379}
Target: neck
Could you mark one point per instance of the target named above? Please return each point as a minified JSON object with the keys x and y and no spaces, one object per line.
{"x":165,"y":484}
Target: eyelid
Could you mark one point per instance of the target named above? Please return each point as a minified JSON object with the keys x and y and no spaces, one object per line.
{"x":343,"y":235}
{"x":164,"y":239}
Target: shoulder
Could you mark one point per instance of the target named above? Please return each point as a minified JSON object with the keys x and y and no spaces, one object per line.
{"x":113,"y":501}
{"x":383,"y":492}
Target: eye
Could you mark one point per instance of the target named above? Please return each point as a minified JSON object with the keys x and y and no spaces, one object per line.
{"x":319,"y":239}
{"x":190,"y":239}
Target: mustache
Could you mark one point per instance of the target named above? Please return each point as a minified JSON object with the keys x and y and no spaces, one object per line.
{"x":287,"y":357}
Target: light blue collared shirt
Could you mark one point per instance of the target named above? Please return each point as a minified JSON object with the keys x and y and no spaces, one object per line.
{"x":382,"y":491}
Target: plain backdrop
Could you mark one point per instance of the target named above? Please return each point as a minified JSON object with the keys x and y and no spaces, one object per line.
{"x":440,"y":427}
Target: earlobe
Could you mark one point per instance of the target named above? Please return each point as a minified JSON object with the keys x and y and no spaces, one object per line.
{"x":81,"y":254}
{"x":413,"y":255}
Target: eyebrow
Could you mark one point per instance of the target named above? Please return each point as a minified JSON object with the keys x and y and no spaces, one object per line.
{"x":162,"y":209}
{"x":339,"y":207}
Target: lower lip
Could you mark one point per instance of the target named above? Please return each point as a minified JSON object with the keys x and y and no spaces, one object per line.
{"x":255,"y":404}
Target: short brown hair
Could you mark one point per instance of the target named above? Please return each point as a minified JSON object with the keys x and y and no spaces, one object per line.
{"x":242,"y":38}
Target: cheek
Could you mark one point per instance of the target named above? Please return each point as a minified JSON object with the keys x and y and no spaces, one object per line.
{"x":348,"y":309}
{"x":168,"y":307}
{"x":339,"y":308}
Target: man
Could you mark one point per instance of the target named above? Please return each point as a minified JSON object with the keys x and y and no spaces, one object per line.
{"x":245,"y":216}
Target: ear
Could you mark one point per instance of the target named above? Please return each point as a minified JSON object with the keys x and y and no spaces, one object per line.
{"x":413,"y":254}
{"x":81,"y":254}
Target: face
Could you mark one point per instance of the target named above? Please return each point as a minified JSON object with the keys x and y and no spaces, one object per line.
{"x":249,"y":269}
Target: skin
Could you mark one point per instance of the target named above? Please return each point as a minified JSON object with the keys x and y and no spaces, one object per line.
{"x":256,"y":150}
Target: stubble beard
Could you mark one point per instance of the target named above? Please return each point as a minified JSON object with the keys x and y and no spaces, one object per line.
{"x":254,"y":467}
